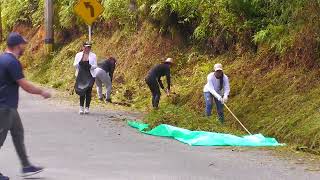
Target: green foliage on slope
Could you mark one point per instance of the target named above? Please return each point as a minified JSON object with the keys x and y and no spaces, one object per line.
{"x":270,"y":50}
{"x":241,"y":21}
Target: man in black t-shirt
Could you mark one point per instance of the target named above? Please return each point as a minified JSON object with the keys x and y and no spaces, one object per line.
{"x":154,"y":82}
{"x":11,"y":78}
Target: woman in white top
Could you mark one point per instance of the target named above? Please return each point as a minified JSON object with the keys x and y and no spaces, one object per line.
{"x":217,"y":89}
{"x":85,"y":63}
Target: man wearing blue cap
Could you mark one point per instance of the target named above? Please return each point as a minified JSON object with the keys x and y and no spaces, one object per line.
{"x":11,"y":78}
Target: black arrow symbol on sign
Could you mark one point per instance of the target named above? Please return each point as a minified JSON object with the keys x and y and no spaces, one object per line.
{"x":89,"y":6}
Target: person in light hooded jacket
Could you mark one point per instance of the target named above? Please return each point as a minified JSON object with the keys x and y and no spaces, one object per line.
{"x":217,"y":89}
{"x":85,"y":63}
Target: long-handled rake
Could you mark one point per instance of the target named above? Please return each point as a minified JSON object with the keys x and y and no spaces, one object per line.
{"x":237,"y":119}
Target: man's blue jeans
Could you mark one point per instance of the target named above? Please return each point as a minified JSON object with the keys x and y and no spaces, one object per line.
{"x":209,"y":106}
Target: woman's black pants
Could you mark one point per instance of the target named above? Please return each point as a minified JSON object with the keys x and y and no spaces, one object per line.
{"x":86,"y":98}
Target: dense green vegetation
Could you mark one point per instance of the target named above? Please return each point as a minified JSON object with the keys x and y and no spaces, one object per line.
{"x":270,"y":50}
{"x":247,"y":22}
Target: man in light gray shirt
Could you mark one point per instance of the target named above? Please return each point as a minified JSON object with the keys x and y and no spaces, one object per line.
{"x":217,"y":89}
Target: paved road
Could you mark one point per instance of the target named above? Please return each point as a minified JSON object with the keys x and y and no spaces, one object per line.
{"x":101,"y":147}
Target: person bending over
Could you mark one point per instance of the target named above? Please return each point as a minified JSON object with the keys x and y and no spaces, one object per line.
{"x":217,"y":89}
{"x":154,"y":82}
{"x":104,"y":77}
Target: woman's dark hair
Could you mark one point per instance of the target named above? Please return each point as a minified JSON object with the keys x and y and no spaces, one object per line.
{"x":112,"y":59}
{"x":221,"y":81}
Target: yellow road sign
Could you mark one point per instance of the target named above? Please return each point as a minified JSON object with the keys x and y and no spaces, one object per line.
{"x":89,"y":10}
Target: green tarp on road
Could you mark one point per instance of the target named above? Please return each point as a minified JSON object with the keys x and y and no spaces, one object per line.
{"x":202,"y":138}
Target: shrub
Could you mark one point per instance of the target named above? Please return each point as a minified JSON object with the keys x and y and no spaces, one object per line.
{"x":272,"y":23}
{"x":119,"y":11}
{"x":14,"y":11}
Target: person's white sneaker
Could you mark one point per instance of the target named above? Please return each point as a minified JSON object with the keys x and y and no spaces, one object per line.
{"x":86,"y":111}
{"x":81,"y":111}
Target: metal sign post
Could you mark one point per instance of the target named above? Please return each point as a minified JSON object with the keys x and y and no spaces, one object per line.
{"x":90,"y":33}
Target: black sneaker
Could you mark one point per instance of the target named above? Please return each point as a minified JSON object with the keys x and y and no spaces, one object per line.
{"x":108,"y":100}
{"x":2,"y":177}
{"x":31,"y":170}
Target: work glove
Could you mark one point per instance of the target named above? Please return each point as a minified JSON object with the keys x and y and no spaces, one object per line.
{"x":220,"y":99}
{"x":225,"y":99}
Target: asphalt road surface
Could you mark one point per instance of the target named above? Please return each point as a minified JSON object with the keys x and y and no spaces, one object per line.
{"x":101,"y":147}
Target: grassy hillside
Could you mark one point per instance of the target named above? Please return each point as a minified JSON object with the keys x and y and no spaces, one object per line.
{"x":270,"y":50}
{"x":268,"y":95}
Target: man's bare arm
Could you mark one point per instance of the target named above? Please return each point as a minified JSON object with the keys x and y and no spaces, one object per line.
{"x":32,"y":89}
